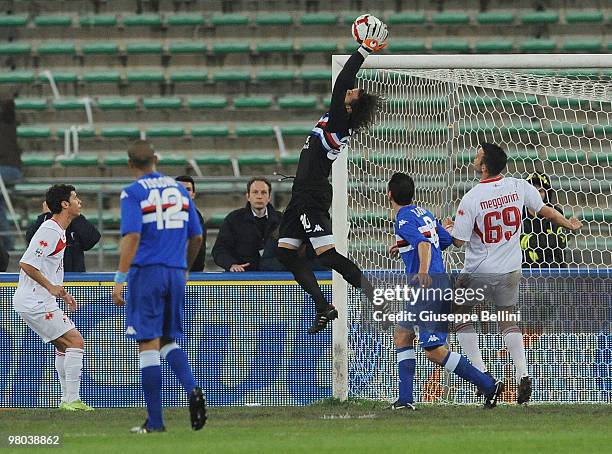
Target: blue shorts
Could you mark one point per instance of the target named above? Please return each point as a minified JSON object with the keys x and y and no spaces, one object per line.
{"x":155,"y":302}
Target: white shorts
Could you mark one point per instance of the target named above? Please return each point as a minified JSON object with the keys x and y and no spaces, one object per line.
{"x":502,"y":290}
{"x":48,"y":325}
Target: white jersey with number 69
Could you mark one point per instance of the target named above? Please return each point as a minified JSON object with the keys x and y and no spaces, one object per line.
{"x":489,"y":218}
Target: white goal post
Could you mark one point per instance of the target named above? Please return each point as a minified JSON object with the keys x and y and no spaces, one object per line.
{"x":507,"y":73}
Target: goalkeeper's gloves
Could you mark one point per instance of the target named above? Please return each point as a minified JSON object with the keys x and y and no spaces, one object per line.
{"x":376,"y":35}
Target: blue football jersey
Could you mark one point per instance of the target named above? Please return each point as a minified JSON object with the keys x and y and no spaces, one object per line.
{"x":414,"y":225}
{"x":160,"y":209}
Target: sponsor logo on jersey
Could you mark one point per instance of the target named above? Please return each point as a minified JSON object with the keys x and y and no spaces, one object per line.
{"x":460,"y":213}
{"x":43,"y":243}
{"x":433,"y":338}
{"x":48,"y":315}
{"x":318,"y":228}
{"x":403,"y":222}
{"x":130,"y":331}
{"x":38,"y":252}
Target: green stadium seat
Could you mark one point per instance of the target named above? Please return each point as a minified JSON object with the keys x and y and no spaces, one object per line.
{"x":538,"y":45}
{"x":187,"y":47}
{"x":573,"y":17}
{"x":521,"y":126}
{"x":296,"y":130}
{"x":350,"y":46}
{"x":189,"y":75}
{"x":98,"y":20}
{"x":479,"y":101}
{"x":256,"y":159}
{"x":350,"y":17}
{"x":582,"y":45}
{"x":480,"y":127}
{"x":457,"y":45}
{"x":297,"y":102}
{"x":79,"y":160}
{"x":15,"y":48}
{"x":517,"y":99}
{"x":231,"y":47}
{"x":144,"y":47}
{"x":277,"y":19}
{"x":327,"y":102}
{"x":316,"y":74}
{"x":275,"y":74}
{"x":37,"y":159}
{"x":210,"y":130}
{"x":232,"y":75}
{"x":30,"y":103}
{"x":100,"y":47}
{"x":151,"y":75}
{"x":322,"y":18}
{"x":68,"y":104}
{"x":540,"y":17}
{"x":13,"y":20}
{"x":120,"y":131}
{"x":102,"y":76}
{"x":117,"y":103}
{"x":84,"y":132}
{"x":566,"y":156}
{"x":569,"y":103}
{"x":212,"y":159}
{"x":494,"y":45}
{"x":216,"y":220}
{"x":53,"y":20}
{"x":582,"y":73}
{"x":590,"y":214}
{"x":173,"y":159}
{"x":162,"y":103}
{"x":601,"y":158}
{"x":409,"y":18}
{"x":56,"y":47}
{"x":254,"y":130}
{"x":206,"y":102}
{"x":522,"y":154}
{"x":557,"y":127}
{"x":142,"y":20}
{"x":60,"y":77}
{"x":406,"y":45}
{"x":253,"y":102}
{"x":268,"y":47}
{"x":191,"y":19}
{"x":290,"y":159}
{"x":603,"y":130}
{"x":325,"y":46}
{"x":115,"y":160}
{"x":169,"y":130}
{"x":450,"y":18}
{"x":220,"y":20}
{"x":26,"y":132}
{"x":495,"y":17}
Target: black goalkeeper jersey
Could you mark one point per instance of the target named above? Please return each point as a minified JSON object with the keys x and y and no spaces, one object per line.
{"x":311,"y":187}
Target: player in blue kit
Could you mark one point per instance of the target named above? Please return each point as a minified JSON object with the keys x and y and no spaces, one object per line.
{"x":161,"y":238}
{"x":420,"y":241}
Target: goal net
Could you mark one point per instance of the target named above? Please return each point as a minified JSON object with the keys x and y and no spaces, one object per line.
{"x":556,"y":122}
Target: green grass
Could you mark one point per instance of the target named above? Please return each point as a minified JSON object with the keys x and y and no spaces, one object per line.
{"x":330,"y":426}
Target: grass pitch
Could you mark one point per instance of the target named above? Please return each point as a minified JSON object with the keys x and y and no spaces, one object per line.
{"x":329,"y":426}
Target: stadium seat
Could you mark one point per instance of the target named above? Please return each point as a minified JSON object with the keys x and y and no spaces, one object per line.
{"x":583,"y":73}
{"x":120,"y":131}
{"x":144,"y":47}
{"x":231,"y":47}
{"x":84,"y":132}
{"x":518,"y":99}
{"x":521,"y":126}
{"x":495,"y":18}
{"x":582,"y":45}
{"x":450,"y":18}
{"x":53,"y":20}
{"x":350,"y":46}
{"x":274,"y":74}
{"x":13,"y":20}
{"x":216,"y":220}
{"x":557,"y":127}
{"x":232,"y":75}
{"x":296,"y":130}
{"x":169,"y":130}
{"x":325,"y":46}
{"x":566,"y":156}
{"x":316,"y":74}
{"x":210,"y":130}
{"x":253,"y":102}
{"x":494,"y":45}
{"x":290,"y":159}
{"x":540,"y":17}
{"x":30,"y":103}
{"x":297,"y":102}
{"x":15,"y":48}
{"x":79,"y":160}
{"x":98,"y":20}
{"x":600,"y":158}
{"x":456,"y":45}
{"x":142,"y":20}
{"x":256,"y":159}
{"x":117,"y":103}
{"x":586,"y":214}
{"x":537,"y":45}
{"x":100,"y":47}
{"x":277,"y":19}
{"x":479,"y":101}
{"x":603,"y":130}
{"x":17,"y":77}
{"x":37,"y":159}
{"x":221,"y":20}
{"x":573,"y":17}
{"x":56,"y":47}
{"x":187,"y":47}
{"x":207,"y":102}
{"x":349,"y":17}
{"x":173,"y":159}
{"x":162,"y":103}
{"x":212,"y":159}
{"x":115,"y":160}
{"x":569,"y":103}
{"x":268,"y":47}
{"x":522,"y":154}
{"x":408,"y":18}
{"x":190,"y":75}
{"x":322,"y":18}
{"x":68,"y":104}
{"x":150,"y":75}
{"x":406,"y":45}
{"x":191,"y":19}
{"x":254,"y":130}
{"x":60,"y":77}
{"x":26,"y":132}
{"x":102,"y":76}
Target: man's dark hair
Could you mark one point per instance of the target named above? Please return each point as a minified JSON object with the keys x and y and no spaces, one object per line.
{"x":494,"y":158}
{"x":401,"y":186}
{"x":186,"y":179}
{"x":254,"y":179}
{"x":141,"y":154}
{"x":363,"y":110}
{"x":57,"y":194}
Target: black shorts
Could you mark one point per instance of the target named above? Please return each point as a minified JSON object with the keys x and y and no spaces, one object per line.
{"x":300,"y":224}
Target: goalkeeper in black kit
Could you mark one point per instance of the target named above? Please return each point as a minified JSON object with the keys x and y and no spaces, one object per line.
{"x":307,"y":215}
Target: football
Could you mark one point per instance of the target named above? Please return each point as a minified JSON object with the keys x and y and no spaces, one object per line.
{"x":360,"y":27}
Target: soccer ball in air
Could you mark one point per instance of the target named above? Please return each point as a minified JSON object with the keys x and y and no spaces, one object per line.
{"x":360,"y":27}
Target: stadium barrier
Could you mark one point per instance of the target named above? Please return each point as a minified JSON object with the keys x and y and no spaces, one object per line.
{"x":246,"y":339}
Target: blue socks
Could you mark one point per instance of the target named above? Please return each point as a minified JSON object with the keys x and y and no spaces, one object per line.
{"x":406,"y":364}
{"x":150,"y":373}
{"x":178,"y":362}
{"x":459,"y":364}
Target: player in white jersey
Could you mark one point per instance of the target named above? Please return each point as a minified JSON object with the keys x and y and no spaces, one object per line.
{"x":41,"y":283}
{"x":489,"y":220}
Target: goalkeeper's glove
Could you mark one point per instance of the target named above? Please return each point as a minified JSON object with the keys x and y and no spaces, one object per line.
{"x":376,"y":35}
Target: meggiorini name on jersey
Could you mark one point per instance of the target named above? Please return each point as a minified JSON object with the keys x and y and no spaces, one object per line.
{"x":432,"y":316}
